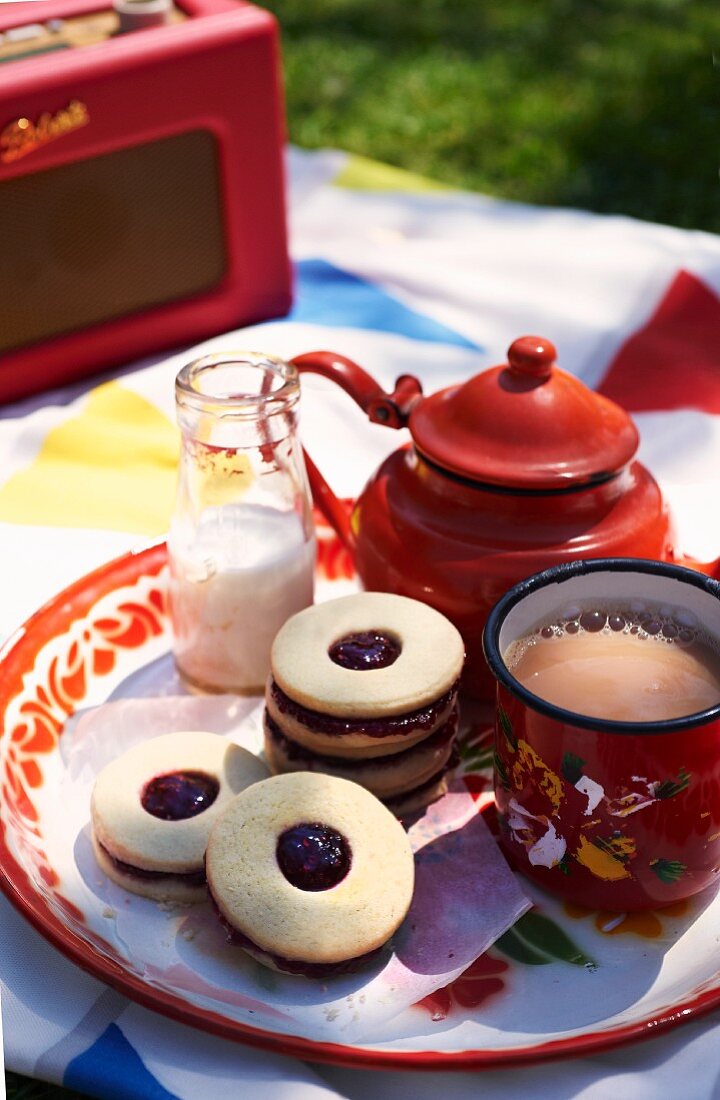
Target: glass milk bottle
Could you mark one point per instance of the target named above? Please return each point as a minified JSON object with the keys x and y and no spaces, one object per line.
{"x":242,"y":540}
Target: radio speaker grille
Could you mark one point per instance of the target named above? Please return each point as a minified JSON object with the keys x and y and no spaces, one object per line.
{"x":106,"y":237}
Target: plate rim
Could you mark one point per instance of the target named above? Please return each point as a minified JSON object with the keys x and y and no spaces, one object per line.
{"x":65,"y":607}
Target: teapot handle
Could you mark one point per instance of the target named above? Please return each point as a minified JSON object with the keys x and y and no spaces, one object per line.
{"x":390,"y":409}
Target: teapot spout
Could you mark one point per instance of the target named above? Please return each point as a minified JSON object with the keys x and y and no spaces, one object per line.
{"x":390,"y":409}
{"x":329,"y":506}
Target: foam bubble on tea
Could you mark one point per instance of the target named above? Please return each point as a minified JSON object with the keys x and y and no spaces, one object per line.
{"x":641,"y":663}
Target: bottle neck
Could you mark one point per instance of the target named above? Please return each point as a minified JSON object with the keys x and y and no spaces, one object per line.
{"x":238,"y":423}
{"x":236,"y":402}
{"x":209,"y":431}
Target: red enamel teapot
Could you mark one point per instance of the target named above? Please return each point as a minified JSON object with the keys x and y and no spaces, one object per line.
{"x":519,"y":468}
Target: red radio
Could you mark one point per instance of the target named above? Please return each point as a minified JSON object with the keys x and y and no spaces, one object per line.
{"x":141,"y":181}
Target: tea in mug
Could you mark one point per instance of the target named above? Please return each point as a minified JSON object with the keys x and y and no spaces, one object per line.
{"x":641,"y":663}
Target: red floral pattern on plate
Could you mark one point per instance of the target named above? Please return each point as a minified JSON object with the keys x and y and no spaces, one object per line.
{"x":52,"y":691}
{"x":481,"y":981}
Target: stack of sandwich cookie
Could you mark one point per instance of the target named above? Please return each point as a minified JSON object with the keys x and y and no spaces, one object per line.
{"x":153,"y":808}
{"x":309,"y":874}
{"x":365,"y":688}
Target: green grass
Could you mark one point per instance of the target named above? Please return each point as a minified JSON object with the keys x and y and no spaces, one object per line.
{"x":608,"y":105}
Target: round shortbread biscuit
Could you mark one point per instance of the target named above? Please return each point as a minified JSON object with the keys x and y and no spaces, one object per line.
{"x":123,"y":830}
{"x":384,"y":776}
{"x":350,"y":737}
{"x":430,"y":660}
{"x":352,"y":918}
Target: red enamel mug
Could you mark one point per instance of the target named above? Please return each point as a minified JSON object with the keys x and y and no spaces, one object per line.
{"x":607,"y":814}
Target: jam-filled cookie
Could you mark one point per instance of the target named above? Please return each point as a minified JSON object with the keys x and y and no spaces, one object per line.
{"x":153,"y":807}
{"x":387,"y":776}
{"x":310,"y":874}
{"x":364,"y":675}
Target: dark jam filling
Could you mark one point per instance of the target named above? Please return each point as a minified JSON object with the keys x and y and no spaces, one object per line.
{"x":191,"y":878}
{"x":366,"y":650}
{"x":294,"y":966}
{"x":313,"y":856}
{"x":179,"y":795}
{"x":294,"y":751}
{"x":424,"y":718}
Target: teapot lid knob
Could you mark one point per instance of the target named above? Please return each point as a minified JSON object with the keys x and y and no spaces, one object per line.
{"x":526,"y":424}
{"x":532,"y":356}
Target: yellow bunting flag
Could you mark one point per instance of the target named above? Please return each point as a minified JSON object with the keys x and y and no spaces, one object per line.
{"x":113,"y":465}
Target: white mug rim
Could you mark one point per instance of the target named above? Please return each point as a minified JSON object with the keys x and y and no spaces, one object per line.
{"x":563,"y":572}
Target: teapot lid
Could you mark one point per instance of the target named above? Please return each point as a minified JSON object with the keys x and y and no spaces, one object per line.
{"x":525,"y":424}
